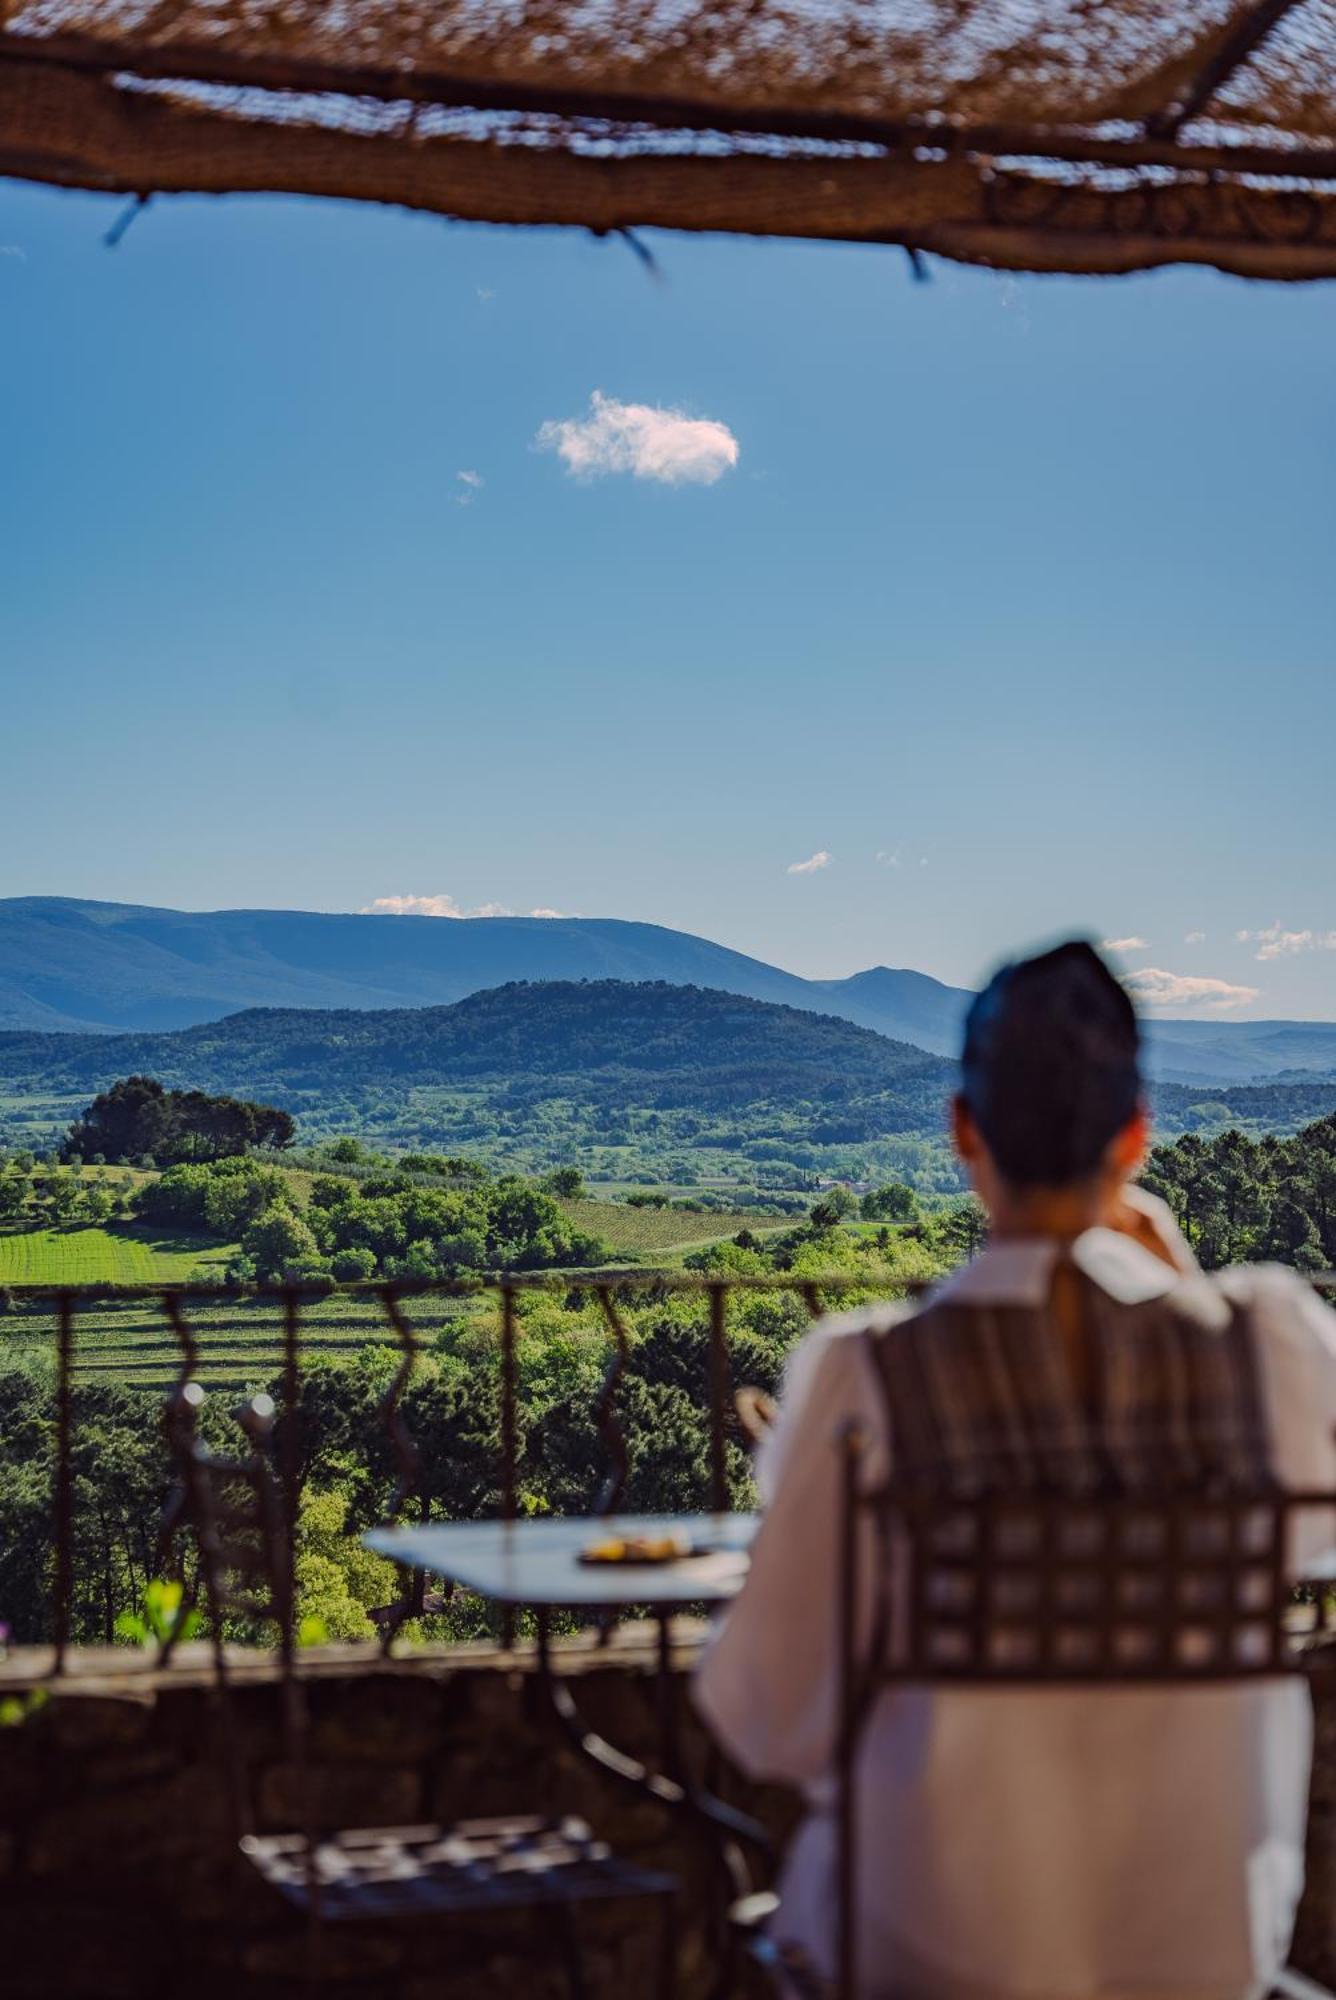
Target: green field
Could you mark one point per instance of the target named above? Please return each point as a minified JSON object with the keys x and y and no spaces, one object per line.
{"x":661,"y":1234}
{"x":123,"y":1254}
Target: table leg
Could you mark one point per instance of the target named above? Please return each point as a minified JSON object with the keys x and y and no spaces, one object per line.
{"x":727,"y":1832}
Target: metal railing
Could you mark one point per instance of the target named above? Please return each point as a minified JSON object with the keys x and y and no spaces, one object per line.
{"x":613,"y":1293}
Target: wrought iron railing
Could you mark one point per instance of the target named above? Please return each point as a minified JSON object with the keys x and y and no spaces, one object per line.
{"x":396,"y":1302}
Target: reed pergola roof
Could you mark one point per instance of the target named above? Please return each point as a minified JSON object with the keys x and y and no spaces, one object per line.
{"x":1039,"y":135}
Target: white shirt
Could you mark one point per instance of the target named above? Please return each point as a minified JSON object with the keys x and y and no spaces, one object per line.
{"x":1132,"y":1843}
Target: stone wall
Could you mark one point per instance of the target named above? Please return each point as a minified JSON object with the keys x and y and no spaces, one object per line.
{"x":115,"y":1871}
{"x":115,"y":1877}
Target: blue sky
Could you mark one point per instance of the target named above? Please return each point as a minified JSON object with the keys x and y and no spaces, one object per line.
{"x":1023,"y":586}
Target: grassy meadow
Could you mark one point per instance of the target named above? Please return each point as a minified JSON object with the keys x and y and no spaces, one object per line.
{"x":662,"y":1236}
{"x":119,"y":1254}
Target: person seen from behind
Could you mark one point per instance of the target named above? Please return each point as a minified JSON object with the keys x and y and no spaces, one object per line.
{"x":1059,"y":1842}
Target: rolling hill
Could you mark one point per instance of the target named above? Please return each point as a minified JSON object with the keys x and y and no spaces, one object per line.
{"x":708,"y":1067}
{"x":648,"y":1043}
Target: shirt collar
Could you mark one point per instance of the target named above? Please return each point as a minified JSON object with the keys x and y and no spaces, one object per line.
{"x":1018,"y":1271}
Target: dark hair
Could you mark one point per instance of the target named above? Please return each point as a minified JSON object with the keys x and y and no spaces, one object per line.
{"x":1049,"y":1067}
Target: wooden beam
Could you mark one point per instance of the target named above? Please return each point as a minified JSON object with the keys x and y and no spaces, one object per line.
{"x":88,"y":55}
{"x":81,"y":131}
{"x":1241,"y":41}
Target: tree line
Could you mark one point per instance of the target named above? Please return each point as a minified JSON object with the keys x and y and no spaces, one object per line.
{"x":390,"y":1224}
{"x":139,"y":1121}
{"x":1242,"y":1200}
{"x":44,"y":1196}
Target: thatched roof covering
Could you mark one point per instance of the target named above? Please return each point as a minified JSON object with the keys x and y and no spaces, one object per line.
{"x":1045,"y":135}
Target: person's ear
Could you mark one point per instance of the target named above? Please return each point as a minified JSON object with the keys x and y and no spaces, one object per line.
{"x":1131,"y":1145}
{"x":964,"y":1131}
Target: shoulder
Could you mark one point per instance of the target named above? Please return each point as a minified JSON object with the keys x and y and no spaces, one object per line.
{"x":1266,"y":1285}
{"x":1282,"y":1305}
{"x":829,"y":1378}
{"x":861,"y":1321}
{"x":835,"y":1347}
{"x":1293,"y":1336}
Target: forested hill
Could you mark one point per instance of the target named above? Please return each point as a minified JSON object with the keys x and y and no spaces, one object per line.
{"x":620,"y":1050}
{"x":648,"y":1043}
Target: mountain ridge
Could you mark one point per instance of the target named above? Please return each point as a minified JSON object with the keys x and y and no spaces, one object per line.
{"x":75,"y":965}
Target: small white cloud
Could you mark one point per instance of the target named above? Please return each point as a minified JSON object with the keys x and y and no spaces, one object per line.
{"x":485,"y":295}
{"x":412,"y":906}
{"x":812,"y":866}
{"x":441,"y":906}
{"x":1125,"y":944}
{"x":472,"y":483}
{"x":641,"y":439}
{"x":889,"y":857}
{"x":1154,"y":987}
{"x":1195,"y":937}
{"x":1276,"y":942}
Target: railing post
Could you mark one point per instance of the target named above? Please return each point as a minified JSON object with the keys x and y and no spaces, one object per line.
{"x":605,"y":1409}
{"x":509,"y":1435}
{"x":407,"y":1459}
{"x":291,"y":1467}
{"x":719,"y":1387}
{"x":509,"y":1396}
{"x":63,"y":1496}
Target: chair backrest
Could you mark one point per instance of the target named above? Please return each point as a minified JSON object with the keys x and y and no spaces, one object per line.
{"x":1062,"y":1583}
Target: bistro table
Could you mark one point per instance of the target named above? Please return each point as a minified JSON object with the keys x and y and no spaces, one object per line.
{"x":537,"y":1565}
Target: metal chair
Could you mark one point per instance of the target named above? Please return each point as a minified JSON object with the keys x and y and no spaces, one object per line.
{"x":489,"y":1867}
{"x":1062,"y":1585}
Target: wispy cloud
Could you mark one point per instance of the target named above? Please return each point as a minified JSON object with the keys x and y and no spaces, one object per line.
{"x":412,"y":906}
{"x":1195,"y":937}
{"x":441,"y":906}
{"x":890,"y":857}
{"x":1154,"y":987}
{"x":641,"y":439}
{"x":812,"y":866}
{"x":472,"y":483}
{"x":1276,"y":942}
{"x":1126,"y":944}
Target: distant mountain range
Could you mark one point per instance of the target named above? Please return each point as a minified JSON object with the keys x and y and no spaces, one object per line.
{"x":74,"y":966}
